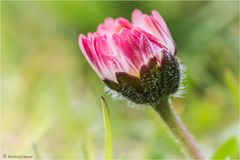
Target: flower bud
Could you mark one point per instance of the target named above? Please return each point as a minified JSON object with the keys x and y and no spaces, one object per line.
{"x":137,"y":60}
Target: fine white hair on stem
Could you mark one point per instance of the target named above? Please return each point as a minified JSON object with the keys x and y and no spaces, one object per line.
{"x":182,"y":89}
{"x":137,"y":106}
{"x":116,"y":96}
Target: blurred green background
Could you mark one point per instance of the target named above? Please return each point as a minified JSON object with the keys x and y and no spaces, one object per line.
{"x":50,"y":96}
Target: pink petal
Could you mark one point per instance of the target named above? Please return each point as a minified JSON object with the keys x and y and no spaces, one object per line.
{"x":161,"y":22}
{"x":145,"y":46}
{"x":152,"y":38}
{"x":163,"y":29}
{"x":144,"y":22}
{"x":89,"y":54}
{"x":123,"y":42}
{"x":111,"y":26}
{"x":129,"y":66}
{"x":108,"y":61}
{"x":136,"y":16}
{"x":141,"y":45}
{"x":148,"y":51}
{"x":155,"y":26}
{"x":124,"y":22}
{"x":112,"y":66}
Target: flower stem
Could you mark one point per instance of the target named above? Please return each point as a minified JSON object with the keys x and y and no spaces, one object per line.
{"x":178,"y":129}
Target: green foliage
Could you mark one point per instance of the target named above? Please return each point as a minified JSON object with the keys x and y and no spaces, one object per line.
{"x":233,"y":86}
{"x":228,"y":150}
{"x":108,"y":130}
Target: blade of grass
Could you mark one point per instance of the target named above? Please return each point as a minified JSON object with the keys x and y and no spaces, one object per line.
{"x":108,"y":130}
{"x":232,"y":85}
{"x":88,"y":146}
{"x":36,"y":154}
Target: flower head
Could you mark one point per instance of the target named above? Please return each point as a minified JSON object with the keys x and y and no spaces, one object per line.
{"x":137,"y":59}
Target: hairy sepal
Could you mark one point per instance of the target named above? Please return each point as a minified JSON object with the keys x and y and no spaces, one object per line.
{"x":156,"y":81}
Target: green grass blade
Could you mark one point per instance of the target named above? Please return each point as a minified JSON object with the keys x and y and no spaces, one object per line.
{"x":231,"y":83}
{"x":87,"y":146}
{"x":36,"y":154}
{"x":108,"y":130}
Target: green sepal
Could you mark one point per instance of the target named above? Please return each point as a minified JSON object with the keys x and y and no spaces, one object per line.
{"x":152,"y":63}
{"x":169,"y":74}
{"x":149,"y":83}
{"x":112,"y":85}
{"x":131,"y":87}
{"x":157,"y":80}
{"x":125,"y":79}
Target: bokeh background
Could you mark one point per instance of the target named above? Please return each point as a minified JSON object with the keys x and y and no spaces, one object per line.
{"x":50,"y":96}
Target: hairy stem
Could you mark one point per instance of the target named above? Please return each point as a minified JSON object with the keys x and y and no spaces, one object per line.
{"x":178,"y":129}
